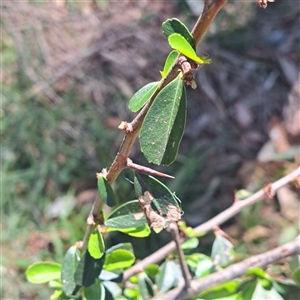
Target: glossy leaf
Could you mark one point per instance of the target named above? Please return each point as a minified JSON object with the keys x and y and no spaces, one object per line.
{"x":139,"y":99}
{"x":96,"y":245}
{"x":204,"y":268}
{"x":168,"y":276}
{"x":106,"y":192}
{"x":128,"y":215}
{"x":190,"y":244}
{"x":177,"y":131}
{"x":157,"y":201}
{"x":159,"y":121}
{"x":174,"y":25}
{"x":169,"y":62}
{"x":69,"y":267}
{"x":123,"y":246}
{"x":88,"y":269}
{"x":118,"y":259}
{"x":141,"y":231}
{"x":42,"y":272}
{"x":151,"y":270}
{"x":222,"y":251}
{"x":224,"y":290}
{"x":179,"y":43}
{"x":131,"y":293}
{"x":145,"y":286}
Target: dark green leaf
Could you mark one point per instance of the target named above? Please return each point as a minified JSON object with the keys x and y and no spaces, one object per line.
{"x":168,"y":276}
{"x":88,"y":269}
{"x":179,"y":43}
{"x":296,"y":276}
{"x":96,"y":245}
{"x":247,"y":288}
{"x":42,"y":272}
{"x":118,"y":259}
{"x":261,"y":293}
{"x":141,"y":231}
{"x":159,"y":203}
{"x":106,"y":192}
{"x":171,"y":26}
{"x":145,"y":286}
{"x":176,"y":132}
{"x":224,"y":290}
{"x":159,"y":121}
{"x":94,"y":292}
{"x":69,"y":266}
{"x":169,"y":62}
{"x":139,"y":99}
{"x":128,"y":215}
{"x":222,"y":252}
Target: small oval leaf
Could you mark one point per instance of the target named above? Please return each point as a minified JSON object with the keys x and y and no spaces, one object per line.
{"x":42,"y":272}
{"x":179,"y":43}
{"x":118,"y":259}
{"x":105,"y":191}
{"x":96,"y":245}
{"x":139,"y":99}
{"x":141,"y":231}
{"x":169,"y":62}
{"x":128,"y":215}
{"x":159,"y":120}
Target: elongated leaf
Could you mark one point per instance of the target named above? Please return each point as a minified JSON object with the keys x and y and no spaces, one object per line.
{"x":128,"y":215}
{"x":179,"y":43}
{"x":158,"y":123}
{"x":168,"y":276}
{"x":95,"y":291}
{"x":224,"y":290}
{"x":222,"y":252}
{"x":69,"y":266}
{"x":145,"y":286}
{"x":141,"y":231}
{"x":118,"y":259}
{"x":96,"y":245}
{"x":139,"y":99}
{"x":174,"y":25}
{"x":88,"y":269}
{"x":115,"y":276}
{"x":42,"y":272}
{"x":176,"y":132}
{"x":169,"y":62}
{"x":106,"y":192}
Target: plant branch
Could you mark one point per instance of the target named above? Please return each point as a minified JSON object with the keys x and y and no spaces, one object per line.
{"x":239,"y":269}
{"x":210,"y":10}
{"x":236,"y":207}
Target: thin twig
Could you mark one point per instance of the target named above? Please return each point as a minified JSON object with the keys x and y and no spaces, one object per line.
{"x":236,"y":207}
{"x":239,"y":269}
{"x":173,"y":228}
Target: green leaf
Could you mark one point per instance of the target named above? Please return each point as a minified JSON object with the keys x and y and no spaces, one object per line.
{"x":190,"y":244}
{"x":96,"y":245}
{"x":222,"y":252}
{"x":131,"y":293}
{"x":296,"y":275}
{"x":106,"y":192}
{"x":123,"y":246}
{"x":194,"y":259}
{"x":69,"y":266}
{"x":224,"y":290}
{"x":128,"y":215}
{"x":176,"y":132}
{"x":168,"y":276}
{"x":95,"y":291}
{"x":174,"y":25}
{"x":88,"y":269}
{"x":159,"y":121}
{"x":118,"y":259}
{"x":139,"y":99}
{"x":151,"y":270}
{"x":179,"y":43}
{"x":247,"y":288}
{"x":169,"y":62}
{"x":159,"y":204}
{"x":115,"y":276}
{"x":145,"y":286}
{"x":141,"y":231}
{"x":261,"y":293}
{"x":42,"y":272}
{"x":204,"y":268}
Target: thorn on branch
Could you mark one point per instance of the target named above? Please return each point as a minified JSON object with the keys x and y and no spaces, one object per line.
{"x":127,"y":127}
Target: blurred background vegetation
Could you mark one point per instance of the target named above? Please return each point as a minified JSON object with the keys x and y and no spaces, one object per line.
{"x":68,"y":70}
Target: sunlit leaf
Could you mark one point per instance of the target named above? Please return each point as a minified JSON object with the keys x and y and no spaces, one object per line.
{"x":106,"y":192}
{"x":128,"y":215}
{"x":190,"y":244}
{"x":42,"y":272}
{"x":227,"y":289}
{"x":174,"y":25}
{"x":204,"y":267}
{"x":169,"y":62}
{"x":96,"y":245}
{"x":139,"y":99}
{"x":151,"y":270}
{"x":159,"y":121}
{"x":69,"y":266}
{"x":141,"y":231}
{"x":123,"y":246}
{"x":261,"y":293}
{"x":168,"y":277}
{"x":118,"y":259}
{"x":222,"y":251}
